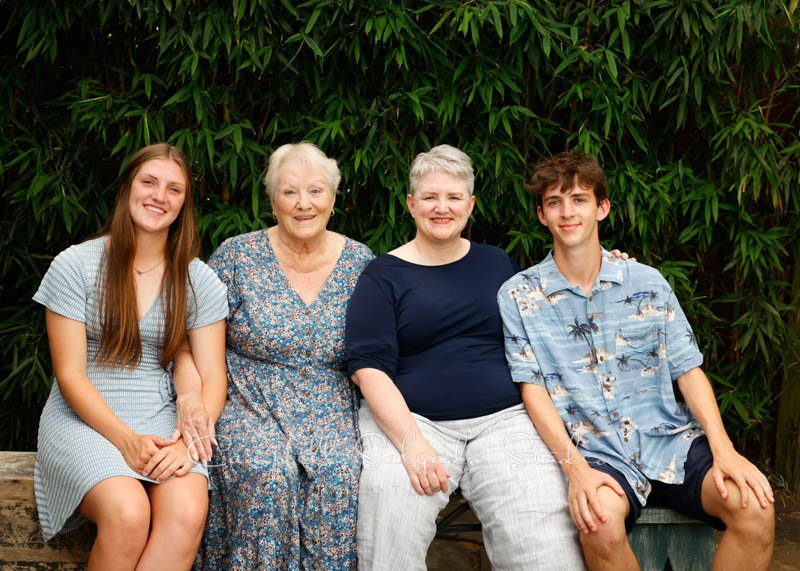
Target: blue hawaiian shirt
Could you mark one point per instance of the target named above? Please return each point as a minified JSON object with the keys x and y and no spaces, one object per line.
{"x":608,"y":361}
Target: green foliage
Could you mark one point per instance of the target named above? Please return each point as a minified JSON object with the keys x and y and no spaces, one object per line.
{"x":691,"y":107}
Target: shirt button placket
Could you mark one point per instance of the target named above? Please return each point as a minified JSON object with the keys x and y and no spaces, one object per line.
{"x":601,"y":368}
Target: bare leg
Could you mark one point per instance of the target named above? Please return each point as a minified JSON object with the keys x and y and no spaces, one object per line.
{"x":179,"y":508}
{"x":608,"y":547}
{"x":120,"y":508}
{"x":750,"y":537}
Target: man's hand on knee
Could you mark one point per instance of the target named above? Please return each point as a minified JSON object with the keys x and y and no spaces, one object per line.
{"x":729,"y":464}
{"x":585,"y":505}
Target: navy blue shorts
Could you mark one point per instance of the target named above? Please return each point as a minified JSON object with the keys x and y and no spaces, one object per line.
{"x":684,"y":498}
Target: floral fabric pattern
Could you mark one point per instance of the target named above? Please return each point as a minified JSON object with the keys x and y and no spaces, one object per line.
{"x":285,"y":480}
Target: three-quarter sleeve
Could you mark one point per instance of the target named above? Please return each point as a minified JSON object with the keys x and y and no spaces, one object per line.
{"x":371,"y":327}
{"x":63,"y":289}
{"x":223,"y":262}
{"x":210,"y":302}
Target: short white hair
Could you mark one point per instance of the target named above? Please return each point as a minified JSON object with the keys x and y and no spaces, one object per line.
{"x":310,"y":155}
{"x":446,"y":159}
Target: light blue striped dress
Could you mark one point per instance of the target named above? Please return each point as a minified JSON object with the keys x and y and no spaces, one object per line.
{"x":72,"y":457}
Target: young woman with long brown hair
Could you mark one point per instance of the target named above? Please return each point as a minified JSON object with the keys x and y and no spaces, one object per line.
{"x":120,"y":307}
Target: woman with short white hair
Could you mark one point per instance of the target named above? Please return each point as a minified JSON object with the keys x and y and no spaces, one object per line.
{"x":440,"y":411}
{"x":286,"y":475}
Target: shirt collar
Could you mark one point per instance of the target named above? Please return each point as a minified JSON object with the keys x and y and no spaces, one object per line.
{"x":554,"y":280}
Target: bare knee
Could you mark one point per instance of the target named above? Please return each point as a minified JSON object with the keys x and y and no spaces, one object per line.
{"x":609,"y":538}
{"x":192,"y":515}
{"x":125,"y":525}
{"x":752,"y":524}
{"x":180,"y":507}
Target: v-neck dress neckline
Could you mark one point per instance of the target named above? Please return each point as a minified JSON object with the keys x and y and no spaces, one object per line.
{"x":287,"y":282}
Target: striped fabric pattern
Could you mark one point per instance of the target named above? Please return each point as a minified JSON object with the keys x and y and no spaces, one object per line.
{"x":72,"y":457}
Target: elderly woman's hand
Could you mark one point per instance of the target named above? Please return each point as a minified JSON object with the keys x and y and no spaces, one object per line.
{"x":623,"y":255}
{"x":195,"y":426}
{"x":425,"y":469}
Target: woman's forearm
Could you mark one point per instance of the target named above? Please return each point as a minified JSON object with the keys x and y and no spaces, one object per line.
{"x":189,"y":384}
{"x":185,"y":375}
{"x":69,"y":355}
{"x":91,"y":407}
{"x":215,"y":391}
{"x":388,"y":407}
{"x":208,"y":363}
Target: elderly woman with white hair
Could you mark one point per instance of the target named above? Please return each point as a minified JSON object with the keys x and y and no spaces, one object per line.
{"x":425,"y":346}
{"x":286,"y":475}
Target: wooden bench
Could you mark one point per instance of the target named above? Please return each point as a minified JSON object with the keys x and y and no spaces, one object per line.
{"x":21,"y":542}
{"x":662,"y":540}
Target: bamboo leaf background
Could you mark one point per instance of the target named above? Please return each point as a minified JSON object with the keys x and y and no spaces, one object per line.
{"x":691,"y":106}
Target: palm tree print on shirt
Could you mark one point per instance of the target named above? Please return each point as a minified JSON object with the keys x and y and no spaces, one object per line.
{"x":584,"y":331}
{"x":639,"y":298}
{"x":646,"y":359}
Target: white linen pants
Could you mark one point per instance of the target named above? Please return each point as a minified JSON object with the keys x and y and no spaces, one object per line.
{"x":505,"y":472}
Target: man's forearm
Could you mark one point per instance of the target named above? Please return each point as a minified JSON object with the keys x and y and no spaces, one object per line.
{"x":551,"y":428}
{"x":702,"y":403}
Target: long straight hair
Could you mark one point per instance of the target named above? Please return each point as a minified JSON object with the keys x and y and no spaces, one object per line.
{"x":120,"y":343}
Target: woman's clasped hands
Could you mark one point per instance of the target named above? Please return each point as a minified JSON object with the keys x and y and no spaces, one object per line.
{"x":155,"y":457}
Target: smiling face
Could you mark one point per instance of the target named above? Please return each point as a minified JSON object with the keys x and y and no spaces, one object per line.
{"x":303,"y":200}
{"x":441,"y":207}
{"x":157,"y":195}
{"x":572,"y":216}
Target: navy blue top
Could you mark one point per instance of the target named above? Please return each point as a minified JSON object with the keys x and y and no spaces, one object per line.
{"x":436,"y":332}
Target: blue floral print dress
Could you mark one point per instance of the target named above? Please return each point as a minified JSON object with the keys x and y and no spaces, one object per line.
{"x":285,"y":479}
